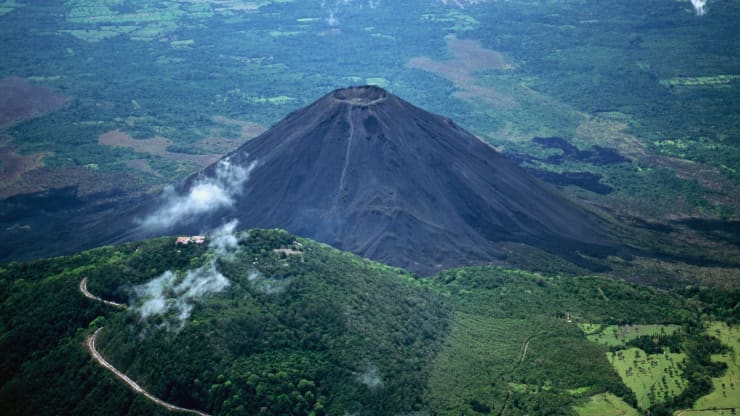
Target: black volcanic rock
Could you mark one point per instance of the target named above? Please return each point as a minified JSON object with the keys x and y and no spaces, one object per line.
{"x":359,"y":169}
{"x":365,"y":171}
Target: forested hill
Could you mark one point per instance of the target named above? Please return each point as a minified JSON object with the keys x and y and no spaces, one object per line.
{"x":267,"y":323}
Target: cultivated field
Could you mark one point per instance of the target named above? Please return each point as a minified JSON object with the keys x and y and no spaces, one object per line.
{"x":605,"y":404}
{"x":725,"y":396}
{"x":616,"y":336}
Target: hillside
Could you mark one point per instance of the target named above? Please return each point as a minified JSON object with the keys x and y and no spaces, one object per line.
{"x":271,"y":324}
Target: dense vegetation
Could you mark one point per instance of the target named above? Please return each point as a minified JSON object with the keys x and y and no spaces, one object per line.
{"x":305,"y":329}
{"x":321,"y":331}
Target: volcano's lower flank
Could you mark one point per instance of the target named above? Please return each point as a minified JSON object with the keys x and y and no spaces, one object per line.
{"x":367,"y":172}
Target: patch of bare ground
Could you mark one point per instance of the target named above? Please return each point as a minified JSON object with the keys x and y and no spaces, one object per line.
{"x":213,"y":147}
{"x":247,"y":131}
{"x":672,"y":273}
{"x":20,"y":100}
{"x":612,"y":133}
{"x":86,"y":182}
{"x":469,"y":57}
{"x":156,"y":146}
{"x":14,"y":165}
{"x":142,"y":165}
{"x":25,"y":174}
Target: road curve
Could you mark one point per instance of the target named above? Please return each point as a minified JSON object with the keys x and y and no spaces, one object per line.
{"x":83,"y":289}
{"x":524,"y":350}
{"x":90,"y":343}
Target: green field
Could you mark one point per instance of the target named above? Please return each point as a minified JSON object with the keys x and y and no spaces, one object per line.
{"x":726,"y":389}
{"x":715,"y":412}
{"x":605,"y":404}
{"x":616,"y":336}
{"x":653,"y":378}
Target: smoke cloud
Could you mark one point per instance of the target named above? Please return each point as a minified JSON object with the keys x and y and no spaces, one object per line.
{"x":224,"y":241}
{"x":207,"y":194}
{"x":173,"y":295}
{"x":699,"y":6}
{"x":370,"y":377}
{"x":266,"y":285}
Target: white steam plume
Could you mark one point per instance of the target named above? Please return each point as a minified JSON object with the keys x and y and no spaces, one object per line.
{"x":224,"y":241}
{"x":267,"y":285}
{"x":699,"y":6}
{"x":207,"y":194}
{"x":370,"y":377}
{"x":173,"y":295}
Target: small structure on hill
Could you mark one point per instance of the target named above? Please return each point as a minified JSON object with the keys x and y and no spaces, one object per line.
{"x":292,"y":250}
{"x":195,"y":239}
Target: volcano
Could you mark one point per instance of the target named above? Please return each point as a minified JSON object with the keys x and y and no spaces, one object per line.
{"x":365,"y":171}
{"x":359,"y":169}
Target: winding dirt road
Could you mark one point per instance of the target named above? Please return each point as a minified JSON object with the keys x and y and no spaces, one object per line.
{"x":522,"y":356}
{"x":90,"y":343}
{"x":524,"y":350}
{"x":83,"y":289}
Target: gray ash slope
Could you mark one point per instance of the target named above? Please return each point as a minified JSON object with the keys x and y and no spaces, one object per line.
{"x":365,"y":171}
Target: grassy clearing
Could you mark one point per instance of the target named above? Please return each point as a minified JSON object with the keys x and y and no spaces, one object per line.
{"x":718,"y":412}
{"x":278,"y":100}
{"x":605,"y":404}
{"x":278,"y":33}
{"x":182,"y":44}
{"x":94,"y":22}
{"x":589,"y":329}
{"x":652,"y":377}
{"x":617,"y":336}
{"x":579,"y":391}
{"x":708,"y":81}
{"x":453,"y":21}
{"x":726,"y":389}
